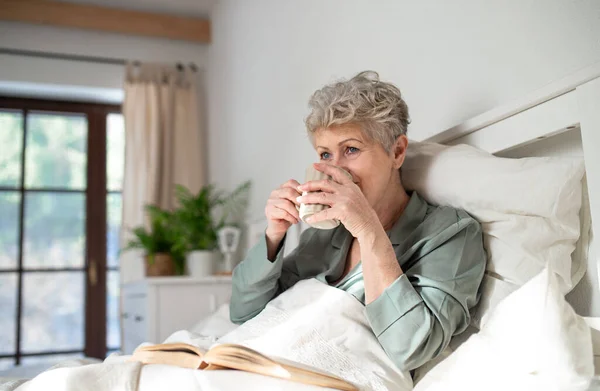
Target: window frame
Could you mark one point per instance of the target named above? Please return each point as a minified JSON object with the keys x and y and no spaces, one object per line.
{"x":95,"y":263}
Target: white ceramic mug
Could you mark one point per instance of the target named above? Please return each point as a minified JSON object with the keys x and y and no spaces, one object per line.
{"x":307,"y":210}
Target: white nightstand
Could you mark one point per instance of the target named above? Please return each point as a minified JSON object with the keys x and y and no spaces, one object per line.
{"x":154,"y":308}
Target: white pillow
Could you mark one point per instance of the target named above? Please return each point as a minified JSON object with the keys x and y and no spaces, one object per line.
{"x":584,"y":243}
{"x":532,"y":340}
{"x":528,"y":209}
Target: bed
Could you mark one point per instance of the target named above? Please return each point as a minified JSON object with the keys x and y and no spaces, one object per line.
{"x":559,"y":120}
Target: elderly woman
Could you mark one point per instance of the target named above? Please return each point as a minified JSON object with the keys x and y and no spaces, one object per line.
{"x":416,"y":267}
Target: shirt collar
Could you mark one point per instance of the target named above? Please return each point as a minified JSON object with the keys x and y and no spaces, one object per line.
{"x":413,"y":215}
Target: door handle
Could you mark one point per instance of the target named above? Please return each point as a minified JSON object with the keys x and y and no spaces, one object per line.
{"x":93,"y":273}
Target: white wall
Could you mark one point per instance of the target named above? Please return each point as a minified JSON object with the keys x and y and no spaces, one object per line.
{"x":30,"y":75}
{"x":452,"y":60}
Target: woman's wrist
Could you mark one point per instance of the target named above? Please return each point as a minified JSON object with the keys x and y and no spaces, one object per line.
{"x":375,"y":242}
{"x":273,"y":244}
{"x":380,"y":265}
{"x":370,"y":230}
{"x":371,"y":236}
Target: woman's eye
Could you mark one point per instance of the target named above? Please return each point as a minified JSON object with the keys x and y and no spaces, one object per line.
{"x":325,"y":156}
{"x":352,"y":150}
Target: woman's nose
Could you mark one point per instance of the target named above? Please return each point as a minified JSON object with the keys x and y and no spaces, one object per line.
{"x":337,"y":161}
{"x":340,"y":163}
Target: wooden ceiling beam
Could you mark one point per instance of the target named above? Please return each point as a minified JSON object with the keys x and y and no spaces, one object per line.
{"x":111,"y":20}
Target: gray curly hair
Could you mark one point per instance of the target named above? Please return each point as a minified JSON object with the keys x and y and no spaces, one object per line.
{"x":375,"y":105}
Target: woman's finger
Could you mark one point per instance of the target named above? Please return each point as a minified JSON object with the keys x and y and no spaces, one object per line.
{"x":287,"y":193}
{"x":282,"y":214}
{"x":321,"y":198}
{"x":282,"y":203}
{"x":326,"y":185}
{"x":292,"y":183}
{"x":326,"y":214}
{"x":288,"y":206}
{"x":339,"y":175}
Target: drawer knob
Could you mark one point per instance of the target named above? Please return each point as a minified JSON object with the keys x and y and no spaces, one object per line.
{"x":125,"y":315}
{"x":138,"y":318}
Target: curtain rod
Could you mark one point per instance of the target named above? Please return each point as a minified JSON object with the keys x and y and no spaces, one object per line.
{"x":79,"y":57}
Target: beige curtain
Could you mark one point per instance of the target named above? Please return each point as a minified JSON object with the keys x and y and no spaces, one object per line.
{"x":163,"y":147}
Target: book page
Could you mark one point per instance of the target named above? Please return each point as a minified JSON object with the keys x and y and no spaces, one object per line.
{"x":242,"y":358}
{"x":181,"y":347}
{"x":245,"y":359}
{"x":177,"y":358}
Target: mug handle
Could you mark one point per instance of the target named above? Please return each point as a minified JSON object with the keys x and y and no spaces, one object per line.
{"x":298,"y":206}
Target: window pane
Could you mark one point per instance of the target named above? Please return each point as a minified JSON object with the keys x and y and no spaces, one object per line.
{"x":56,"y":151}
{"x":53,"y":315}
{"x":49,"y":360}
{"x":115,"y":151}
{"x":11,"y":145}
{"x":113,"y":336}
{"x":54,"y":233}
{"x":113,"y":227}
{"x":8,"y":309}
{"x":6,"y":363}
{"x":9,"y":228}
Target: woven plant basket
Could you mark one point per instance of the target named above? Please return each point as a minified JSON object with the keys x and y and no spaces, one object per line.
{"x":159,"y":265}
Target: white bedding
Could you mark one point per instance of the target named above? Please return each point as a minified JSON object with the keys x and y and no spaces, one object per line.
{"x":312,"y":323}
{"x":532,"y":341}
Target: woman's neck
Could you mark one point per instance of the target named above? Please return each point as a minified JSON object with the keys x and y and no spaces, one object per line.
{"x":392,"y":205}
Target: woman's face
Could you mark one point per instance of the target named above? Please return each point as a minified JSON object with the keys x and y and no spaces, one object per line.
{"x":374,"y":170}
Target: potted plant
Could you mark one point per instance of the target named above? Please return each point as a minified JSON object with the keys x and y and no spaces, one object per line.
{"x":163,"y":256}
{"x":197,"y":223}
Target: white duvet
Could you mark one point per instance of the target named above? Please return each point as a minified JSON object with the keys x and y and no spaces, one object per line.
{"x":532,"y":341}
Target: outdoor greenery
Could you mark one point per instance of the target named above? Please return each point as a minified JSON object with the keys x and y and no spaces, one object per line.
{"x":53,"y":227}
{"x":56,"y":150}
{"x":53,"y":231}
{"x":11,"y":141}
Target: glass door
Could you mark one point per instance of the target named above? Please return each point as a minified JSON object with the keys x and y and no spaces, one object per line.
{"x":60,"y":171}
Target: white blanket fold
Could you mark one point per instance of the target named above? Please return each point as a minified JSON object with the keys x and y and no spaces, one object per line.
{"x":114,"y":374}
{"x":326,"y":328}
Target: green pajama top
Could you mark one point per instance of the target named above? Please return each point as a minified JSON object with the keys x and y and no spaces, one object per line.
{"x":440,"y":250}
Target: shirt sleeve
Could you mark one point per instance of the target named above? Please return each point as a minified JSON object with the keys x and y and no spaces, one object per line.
{"x":415,"y":317}
{"x":257,"y":280}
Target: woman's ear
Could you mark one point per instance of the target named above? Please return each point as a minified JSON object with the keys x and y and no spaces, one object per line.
{"x":399,"y":151}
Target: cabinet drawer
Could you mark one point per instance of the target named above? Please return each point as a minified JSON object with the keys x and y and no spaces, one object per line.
{"x":135,"y":321}
{"x":134,"y":309}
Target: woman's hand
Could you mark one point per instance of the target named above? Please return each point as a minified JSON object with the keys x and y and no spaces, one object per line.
{"x":345,"y":200}
{"x":281,"y":211}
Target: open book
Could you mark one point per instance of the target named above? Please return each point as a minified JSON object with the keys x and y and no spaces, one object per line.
{"x":232,"y":356}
